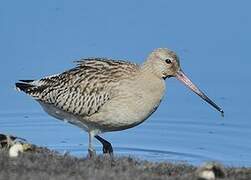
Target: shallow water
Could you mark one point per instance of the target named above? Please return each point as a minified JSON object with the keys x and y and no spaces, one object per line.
{"x":158,"y":139}
{"x":44,"y":38}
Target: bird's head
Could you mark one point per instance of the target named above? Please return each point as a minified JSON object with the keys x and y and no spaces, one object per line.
{"x":165,"y":63}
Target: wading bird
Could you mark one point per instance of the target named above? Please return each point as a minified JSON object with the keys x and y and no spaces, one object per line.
{"x":101,"y":95}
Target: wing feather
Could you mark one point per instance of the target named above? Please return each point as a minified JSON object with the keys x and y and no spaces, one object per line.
{"x":82,"y":90}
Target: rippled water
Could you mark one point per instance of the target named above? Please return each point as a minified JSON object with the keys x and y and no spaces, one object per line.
{"x":172,"y":139}
{"x":213,"y":41}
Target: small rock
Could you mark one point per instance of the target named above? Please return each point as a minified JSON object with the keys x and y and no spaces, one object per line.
{"x":15,"y":150}
{"x":210,"y":171}
{"x":18,"y":148}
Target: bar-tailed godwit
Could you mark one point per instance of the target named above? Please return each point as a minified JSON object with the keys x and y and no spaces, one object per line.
{"x":101,"y":95}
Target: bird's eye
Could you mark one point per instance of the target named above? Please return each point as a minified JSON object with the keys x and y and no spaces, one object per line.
{"x":168,"y":61}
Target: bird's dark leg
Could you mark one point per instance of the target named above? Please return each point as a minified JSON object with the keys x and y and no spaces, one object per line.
{"x":107,"y":146}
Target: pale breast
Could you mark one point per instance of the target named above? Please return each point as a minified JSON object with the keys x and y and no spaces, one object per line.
{"x":135,"y":102}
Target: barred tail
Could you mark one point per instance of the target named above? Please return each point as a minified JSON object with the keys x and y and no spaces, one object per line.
{"x":25,"y":86}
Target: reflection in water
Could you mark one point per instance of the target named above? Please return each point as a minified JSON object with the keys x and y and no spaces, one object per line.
{"x":139,"y":153}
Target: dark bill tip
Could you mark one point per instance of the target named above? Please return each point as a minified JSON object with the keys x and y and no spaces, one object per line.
{"x":184,"y":79}
{"x":222,"y":113}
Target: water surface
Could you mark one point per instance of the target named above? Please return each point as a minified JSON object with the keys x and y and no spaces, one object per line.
{"x":213,"y":41}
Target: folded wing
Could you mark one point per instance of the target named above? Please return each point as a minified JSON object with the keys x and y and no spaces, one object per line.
{"x":82,"y":90}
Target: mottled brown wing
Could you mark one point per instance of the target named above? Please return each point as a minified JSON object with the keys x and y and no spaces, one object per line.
{"x":83,"y":89}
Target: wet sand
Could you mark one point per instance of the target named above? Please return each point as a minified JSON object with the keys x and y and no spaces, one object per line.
{"x":46,"y":164}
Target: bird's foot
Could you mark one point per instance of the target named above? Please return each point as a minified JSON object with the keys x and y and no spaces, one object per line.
{"x":107,"y":149}
{"x":91,"y":153}
{"x":107,"y":146}
{"x":108,"y":153}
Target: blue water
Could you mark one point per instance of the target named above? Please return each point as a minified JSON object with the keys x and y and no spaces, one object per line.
{"x":212,"y":38}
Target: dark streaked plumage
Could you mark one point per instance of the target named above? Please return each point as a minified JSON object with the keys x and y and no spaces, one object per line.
{"x":83,"y":89}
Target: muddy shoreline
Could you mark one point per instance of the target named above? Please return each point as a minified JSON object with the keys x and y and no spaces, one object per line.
{"x":42,"y":163}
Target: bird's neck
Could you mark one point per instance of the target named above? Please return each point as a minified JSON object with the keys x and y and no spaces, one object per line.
{"x":149,"y":68}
